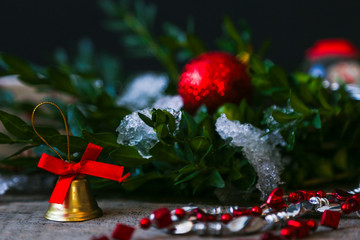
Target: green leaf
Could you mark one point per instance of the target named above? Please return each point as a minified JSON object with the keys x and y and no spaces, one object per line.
{"x":278,"y":75}
{"x":257,"y":65}
{"x":195,"y":45}
{"x":22,"y":162}
{"x":317,"y":121}
{"x":165,"y":153}
{"x":188,"y":125}
{"x":281,"y":117}
{"x":5,"y":139}
{"x":18,"y":152}
{"x":232,"y":32}
{"x":76,"y":120}
{"x":128,"y":156}
{"x":199,"y":144}
{"x":215,"y":180}
{"x":299,"y":106}
{"x":188,"y":177}
{"x":15,"y":125}
{"x":77,"y":144}
{"x":162,"y":131}
{"x":23,"y":69}
{"x":106,"y":140}
{"x":61,"y":81}
{"x":132,"y":183}
{"x":146,"y":120}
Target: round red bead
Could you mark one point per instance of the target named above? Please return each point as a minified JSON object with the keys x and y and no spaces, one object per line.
{"x":346,"y":208}
{"x":201,"y":217}
{"x":341,"y":194}
{"x":312,"y":224}
{"x":211,"y":218}
{"x":226,"y":217}
{"x":180,"y":213}
{"x":286,"y":232}
{"x":257,"y":211}
{"x":145,"y":223}
{"x":294,"y":197}
{"x":321,"y":194}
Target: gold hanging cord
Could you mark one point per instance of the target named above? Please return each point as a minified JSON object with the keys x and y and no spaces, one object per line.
{"x":66,"y":128}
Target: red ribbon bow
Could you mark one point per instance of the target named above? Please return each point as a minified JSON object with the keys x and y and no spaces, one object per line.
{"x":87,"y":165}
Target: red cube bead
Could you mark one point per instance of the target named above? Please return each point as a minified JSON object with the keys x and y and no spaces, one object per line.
{"x":161,"y":218}
{"x":330,"y":219}
{"x":275,"y":199}
{"x":123,"y":232}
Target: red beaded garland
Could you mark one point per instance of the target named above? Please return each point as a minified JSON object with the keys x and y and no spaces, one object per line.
{"x":275,"y":199}
{"x":162,"y":218}
{"x":242,"y":212}
{"x":294,"y":197}
{"x":226,"y":217}
{"x":213,"y":79}
{"x":312,"y":224}
{"x":321,"y":194}
{"x":347,"y":208}
{"x":145,"y":223}
{"x":257,"y":211}
{"x":287,"y":232}
{"x":180,"y":213}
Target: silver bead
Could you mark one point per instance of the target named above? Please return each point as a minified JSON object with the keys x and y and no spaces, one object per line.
{"x":246,"y":224}
{"x":181,"y":227}
{"x":215,"y":228}
{"x":200,"y":228}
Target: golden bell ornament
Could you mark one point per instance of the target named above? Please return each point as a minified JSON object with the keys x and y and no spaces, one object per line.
{"x":79,"y":204}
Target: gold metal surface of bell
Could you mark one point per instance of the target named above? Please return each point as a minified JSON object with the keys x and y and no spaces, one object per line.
{"x":79,"y":204}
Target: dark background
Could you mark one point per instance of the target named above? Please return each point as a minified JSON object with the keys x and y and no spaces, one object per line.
{"x":32,"y":29}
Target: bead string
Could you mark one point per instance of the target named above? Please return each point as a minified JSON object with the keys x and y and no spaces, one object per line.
{"x":279,"y":208}
{"x":279,"y":211}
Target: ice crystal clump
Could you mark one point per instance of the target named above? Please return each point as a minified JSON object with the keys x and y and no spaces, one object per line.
{"x":143,"y":91}
{"x":134,"y":132}
{"x":169,"y":102}
{"x":260,"y":150}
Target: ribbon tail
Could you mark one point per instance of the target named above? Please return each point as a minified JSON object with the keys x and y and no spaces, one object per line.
{"x":103,"y":170}
{"x":62,"y":186}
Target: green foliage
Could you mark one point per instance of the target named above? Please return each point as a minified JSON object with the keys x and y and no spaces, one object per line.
{"x":320,"y":126}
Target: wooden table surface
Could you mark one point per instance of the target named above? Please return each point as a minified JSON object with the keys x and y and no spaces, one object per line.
{"x":22,"y":217}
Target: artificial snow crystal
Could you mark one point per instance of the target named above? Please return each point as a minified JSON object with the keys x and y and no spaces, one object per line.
{"x":169,"y":102}
{"x":143,"y":91}
{"x":134,"y":132}
{"x":258,"y":147}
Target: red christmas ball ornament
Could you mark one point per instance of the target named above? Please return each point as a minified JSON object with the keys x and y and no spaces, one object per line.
{"x":213,"y":79}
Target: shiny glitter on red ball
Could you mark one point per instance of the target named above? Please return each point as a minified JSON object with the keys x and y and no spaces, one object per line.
{"x":213,"y":79}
